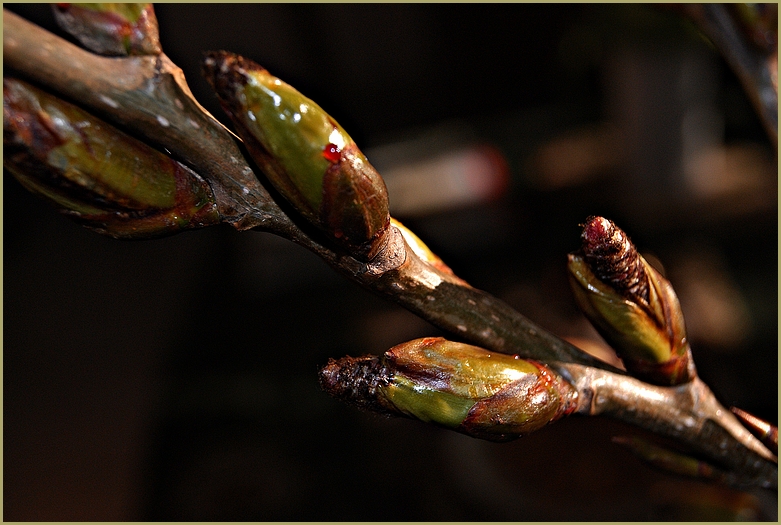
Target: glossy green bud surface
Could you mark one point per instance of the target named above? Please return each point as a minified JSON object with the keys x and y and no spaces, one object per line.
{"x":305,"y":154}
{"x":96,"y":174}
{"x":635,"y":309}
{"x":111,"y":29}
{"x":455,"y":385}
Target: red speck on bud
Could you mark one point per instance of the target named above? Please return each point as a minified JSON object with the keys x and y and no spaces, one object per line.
{"x":331,"y":153}
{"x":63,"y":6}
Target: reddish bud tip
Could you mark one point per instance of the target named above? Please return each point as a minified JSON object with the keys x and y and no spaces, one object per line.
{"x":613,"y":258}
{"x":631,"y":304}
{"x":602,"y":238}
{"x":596,"y":232}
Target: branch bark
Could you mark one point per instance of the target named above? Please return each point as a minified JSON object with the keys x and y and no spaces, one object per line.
{"x":135,"y":93}
{"x":149,"y":98}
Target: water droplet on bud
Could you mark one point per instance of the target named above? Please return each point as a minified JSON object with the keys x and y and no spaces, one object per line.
{"x":331,"y":153}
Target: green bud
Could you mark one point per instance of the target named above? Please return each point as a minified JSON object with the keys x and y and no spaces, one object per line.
{"x":97,"y":175}
{"x":305,"y":154}
{"x":631,"y":305}
{"x":454,"y":385}
{"x":421,"y":250}
{"x":111,"y":29}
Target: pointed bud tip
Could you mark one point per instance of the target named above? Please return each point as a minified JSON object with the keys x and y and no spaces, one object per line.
{"x":763,"y":430}
{"x":601,"y":236}
{"x":596,"y":229}
{"x":632,"y":306}
{"x":327,"y":374}
{"x":331,"y":378}
{"x":225,"y":71}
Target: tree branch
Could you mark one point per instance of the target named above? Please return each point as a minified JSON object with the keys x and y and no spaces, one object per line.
{"x":135,"y":93}
{"x":688,"y":413}
{"x":148,"y":97}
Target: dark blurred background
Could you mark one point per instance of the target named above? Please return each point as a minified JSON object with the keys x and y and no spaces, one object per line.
{"x":176,"y":379}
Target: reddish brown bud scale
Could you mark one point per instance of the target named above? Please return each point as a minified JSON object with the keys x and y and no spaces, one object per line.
{"x":454,"y":385}
{"x":522,"y":407}
{"x":631,"y":305}
{"x":357,"y":380}
{"x":304,"y":153}
{"x":94,"y":173}
{"x":613,"y":258}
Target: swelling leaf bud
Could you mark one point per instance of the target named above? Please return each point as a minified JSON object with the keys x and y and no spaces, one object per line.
{"x":97,"y":175}
{"x":305,"y":154}
{"x":631,"y":305}
{"x":111,"y":29}
{"x":458,"y":386}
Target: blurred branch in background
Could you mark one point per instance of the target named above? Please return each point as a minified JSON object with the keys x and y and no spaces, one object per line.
{"x":694,"y":170}
{"x":747,"y":37}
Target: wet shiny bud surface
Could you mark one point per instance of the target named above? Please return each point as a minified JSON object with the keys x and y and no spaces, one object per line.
{"x":631,"y":305}
{"x":455,"y":385}
{"x":96,"y":174}
{"x":305,"y":154}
